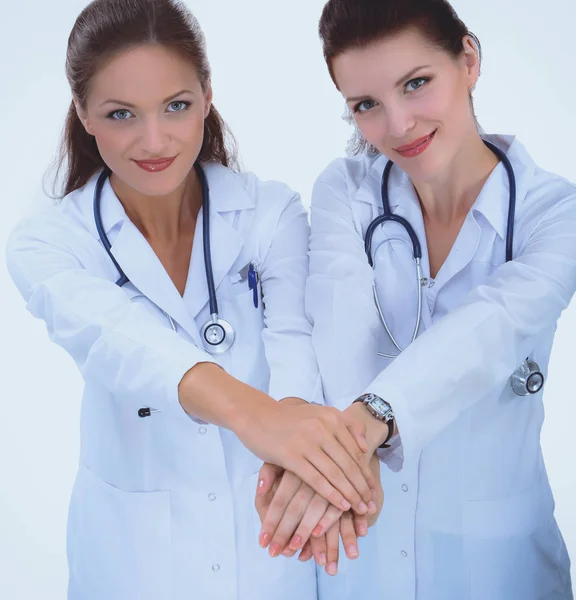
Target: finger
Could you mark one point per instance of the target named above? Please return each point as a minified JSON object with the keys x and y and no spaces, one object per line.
{"x":332,"y":548}
{"x":360,"y":525}
{"x":315,"y":511}
{"x":306,"y":553}
{"x":288,"y":487}
{"x":357,"y":472}
{"x":349,"y":443}
{"x":331,"y":516}
{"x":266,"y":478}
{"x":290,"y":520}
{"x":318,"y":482}
{"x":318,"y":548}
{"x":263,"y":498}
{"x":348,"y":534}
{"x":328,"y":463}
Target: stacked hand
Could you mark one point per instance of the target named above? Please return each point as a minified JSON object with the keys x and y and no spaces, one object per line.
{"x":297,"y":518}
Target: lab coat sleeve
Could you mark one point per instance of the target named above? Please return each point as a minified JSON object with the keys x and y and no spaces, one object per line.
{"x":287,"y":334}
{"x":468,"y":353}
{"x":474,"y":350}
{"x":115,"y":343}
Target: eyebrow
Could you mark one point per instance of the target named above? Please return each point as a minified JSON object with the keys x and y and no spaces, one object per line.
{"x":129,"y":105}
{"x":398,"y":83}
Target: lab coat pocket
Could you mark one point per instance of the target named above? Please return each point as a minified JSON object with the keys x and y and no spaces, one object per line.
{"x":118,"y":542}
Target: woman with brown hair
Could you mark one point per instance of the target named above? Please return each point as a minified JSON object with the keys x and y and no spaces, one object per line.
{"x":177,"y":285}
{"x":469,"y":249}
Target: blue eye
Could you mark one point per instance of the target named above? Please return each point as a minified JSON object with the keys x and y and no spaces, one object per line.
{"x":364,"y":106}
{"x":416,"y":84}
{"x":178,"y":106}
{"x":120,"y":115}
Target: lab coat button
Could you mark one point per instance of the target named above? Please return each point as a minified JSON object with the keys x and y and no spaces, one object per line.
{"x":211,"y":497}
{"x":424,"y":281}
{"x":202,"y":430}
{"x":404,"y":553}
{"x":215,"y":568}
{"x":404,"y":488}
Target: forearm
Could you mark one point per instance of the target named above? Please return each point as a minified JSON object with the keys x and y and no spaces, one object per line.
{"x":208,"y":393}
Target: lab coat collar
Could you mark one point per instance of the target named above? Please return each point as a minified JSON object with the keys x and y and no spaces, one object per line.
{"x":492,"y":202}
{"x":226,"y":194}
{"x":144,"y":269}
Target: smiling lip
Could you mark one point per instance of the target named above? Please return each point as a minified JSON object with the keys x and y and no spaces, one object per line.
{"x":156,"y":165}
{"x":416,"y":147}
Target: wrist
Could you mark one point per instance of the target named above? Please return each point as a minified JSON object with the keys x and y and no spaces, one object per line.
{"x":376,"y":430}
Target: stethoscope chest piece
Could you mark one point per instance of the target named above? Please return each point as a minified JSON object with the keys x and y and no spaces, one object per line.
{"x":527,"y":379}
{"x":217,"y":335}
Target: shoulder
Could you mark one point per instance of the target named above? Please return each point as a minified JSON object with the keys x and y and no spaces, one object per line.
{"x":546,"y":196}
{"x":231,"y":190}
{"x":64,"y":224}
{"x":350,"y":170}
{"x":347,"y":175}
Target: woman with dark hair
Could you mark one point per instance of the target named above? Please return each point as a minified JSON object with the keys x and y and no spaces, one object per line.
{"x":436,"y":355}
{"x":177,"y":285}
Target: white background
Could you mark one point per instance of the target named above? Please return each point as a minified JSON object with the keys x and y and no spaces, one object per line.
{"x":272,"y":87}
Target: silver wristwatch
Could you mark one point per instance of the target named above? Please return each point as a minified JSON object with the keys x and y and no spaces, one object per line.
{"x":379,"y":408}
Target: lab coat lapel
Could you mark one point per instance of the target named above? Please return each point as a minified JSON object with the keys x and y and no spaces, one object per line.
{"x":145,"y":271}
{"x":225,"y":246}
{"x":227,"y":198}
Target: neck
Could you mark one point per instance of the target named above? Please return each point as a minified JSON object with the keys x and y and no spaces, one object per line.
{"x":448,"y":199}
{"x":163,"y":219}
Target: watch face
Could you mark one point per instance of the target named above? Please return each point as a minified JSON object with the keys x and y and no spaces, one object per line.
{"x":377,"y":406}
{"x":381,"y":406}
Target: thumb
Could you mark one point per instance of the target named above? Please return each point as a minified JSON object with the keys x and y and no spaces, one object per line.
{"x":269,"y":473}
{"x":358,"y":430}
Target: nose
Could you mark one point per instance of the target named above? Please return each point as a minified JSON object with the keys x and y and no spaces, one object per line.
{"x":399,"y":120}
{"x":154,"y":137}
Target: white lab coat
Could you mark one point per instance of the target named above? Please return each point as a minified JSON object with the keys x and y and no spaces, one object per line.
{"x":468,"y":511}
{"x":163,"y":506}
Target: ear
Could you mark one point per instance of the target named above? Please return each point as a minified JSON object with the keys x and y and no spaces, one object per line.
{"x":471,"y":61}
{"x":208,"y":96}
{"x":83,"y":116}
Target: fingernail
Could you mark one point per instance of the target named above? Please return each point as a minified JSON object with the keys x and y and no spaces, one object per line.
{"x":363,"y":509}
{"x":345,"y":505}
{"x":288,"y":553}
{"x":322,"y":559}
{"x":372,"y":507}
{"x":362,"y":529}
{"x":332,"y":569}
{"x":295,"y":543}
{"x":264,"y":539}
{"x":353,"y":551}
{"x":274,"y":550}
{"x":317,"y":531}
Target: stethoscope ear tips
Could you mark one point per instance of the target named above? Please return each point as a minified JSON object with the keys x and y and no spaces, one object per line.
{"x":528,"y":379}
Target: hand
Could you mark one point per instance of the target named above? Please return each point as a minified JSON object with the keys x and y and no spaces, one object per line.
{"x":314,"y":443}
{"x":291,"y":512}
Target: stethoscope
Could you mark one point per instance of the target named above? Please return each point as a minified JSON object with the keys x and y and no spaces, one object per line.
{"x":217,"y":334}
{"x":527,"y":379}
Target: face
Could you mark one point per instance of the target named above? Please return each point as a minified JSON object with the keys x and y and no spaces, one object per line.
{"x":410,"y":100}
{"x":147,"y":105}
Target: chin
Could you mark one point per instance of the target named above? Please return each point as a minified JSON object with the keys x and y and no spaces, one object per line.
{"x":424,"y":168}
{"x":163,"y":183}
